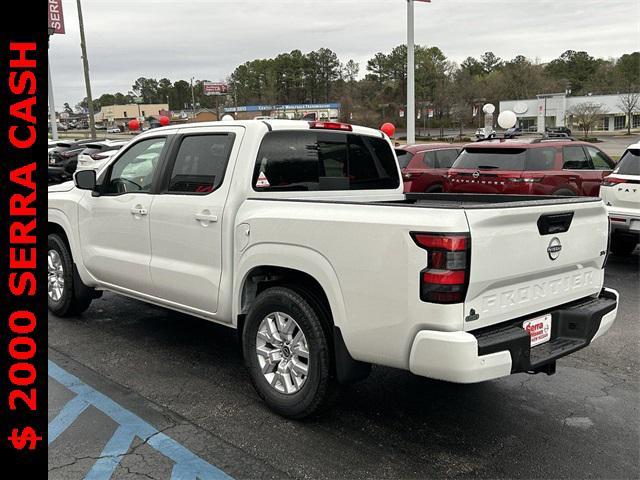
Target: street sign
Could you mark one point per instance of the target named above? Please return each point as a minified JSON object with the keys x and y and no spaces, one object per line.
{"x":56,"y":19}
{"x":211,"y":88}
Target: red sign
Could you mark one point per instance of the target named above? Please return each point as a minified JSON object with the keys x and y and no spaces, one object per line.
{"x":56,"y":19}
{"x":215,"y":88}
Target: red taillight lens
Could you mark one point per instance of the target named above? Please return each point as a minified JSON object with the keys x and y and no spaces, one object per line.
{"x":611,"y":181}
{"x":331,"y":126}
{"x":98,"y":156}
{"x":446,"y":278}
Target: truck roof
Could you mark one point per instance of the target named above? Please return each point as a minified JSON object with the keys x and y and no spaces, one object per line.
{"x":264,"y":124}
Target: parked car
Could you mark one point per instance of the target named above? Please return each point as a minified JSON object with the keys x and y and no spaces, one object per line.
{"x":114,"y":130}
{"x":424,"y":166}
{"x":298,"y":235}
{"x":561,"y":130}
{"x":96,"y":154}
{"x":540,"y":166}
{"x":512,"y":132}
{"x":621,"y":193}
{"x":480,"y":133}
{"x":64,"y":158}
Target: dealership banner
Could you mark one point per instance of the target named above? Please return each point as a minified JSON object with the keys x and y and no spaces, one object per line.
{"x":211,"y":88}
{"x":23,"y":282}
{"x":56,"y":18}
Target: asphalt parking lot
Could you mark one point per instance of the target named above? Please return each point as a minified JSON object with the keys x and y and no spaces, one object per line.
{"x":137,"y":391}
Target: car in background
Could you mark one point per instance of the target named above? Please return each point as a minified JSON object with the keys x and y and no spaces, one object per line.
{"x":620,"y":192}
{"x":559,"y":130}
{"x":481,"y":134}
{"x":64,"y":158}
{"x":534,"y":166}
{"x":114,"y":130}
{"x":512,"y":132}
{"x":424,"y":166}
{"x":96,"y":154}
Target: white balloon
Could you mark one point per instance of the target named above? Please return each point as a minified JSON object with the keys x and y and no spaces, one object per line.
{"x":227,"y":118}
{"x":507,"y":119}
{"x":489,"y":108}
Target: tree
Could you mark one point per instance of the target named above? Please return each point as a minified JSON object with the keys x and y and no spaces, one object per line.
{"x":68,"y":109}
{"x":576,"y":68}
{"x":490,"y":62}
{"x":586,"y":115}
{"x":629,"y":103}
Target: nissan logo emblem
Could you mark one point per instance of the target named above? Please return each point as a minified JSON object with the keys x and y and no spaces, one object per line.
{"x":476,"y":174}
{"x":554,"y":248}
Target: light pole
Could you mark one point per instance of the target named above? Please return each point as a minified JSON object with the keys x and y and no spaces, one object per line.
{"x":52,"y":105}
{"x":193,"y":99}
{"x":411,"y":80}
{"x":85,"y":64}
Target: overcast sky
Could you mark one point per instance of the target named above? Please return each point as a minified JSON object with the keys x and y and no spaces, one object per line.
{"x":207,"y":39}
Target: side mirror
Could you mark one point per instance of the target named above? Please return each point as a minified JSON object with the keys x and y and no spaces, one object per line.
{"x":85,"y":179}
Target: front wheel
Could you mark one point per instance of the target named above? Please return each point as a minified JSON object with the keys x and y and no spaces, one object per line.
{"x":66,"y":295}
{"x":287,"y":353}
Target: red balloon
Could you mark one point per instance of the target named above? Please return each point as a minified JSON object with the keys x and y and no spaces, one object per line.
{"x":389,"y":129}
{"x":134,"y":124}
{"x":164,"y":120}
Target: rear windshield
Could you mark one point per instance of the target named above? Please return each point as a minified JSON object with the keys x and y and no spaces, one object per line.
{"x":404,"y":158}
{"x":507,"y":159}
{"x":629,"y":164}
{"x":310,"y":161}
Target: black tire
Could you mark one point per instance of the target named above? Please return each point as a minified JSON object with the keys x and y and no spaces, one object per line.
{"x":319,"y":387}
{"x":564,"y":192}
{"x":76,"y":296}
{"x":621,"y":245}
{"x":434,"y":189}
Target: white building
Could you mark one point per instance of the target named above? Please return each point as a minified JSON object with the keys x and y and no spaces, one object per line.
{"x":553,"y":110}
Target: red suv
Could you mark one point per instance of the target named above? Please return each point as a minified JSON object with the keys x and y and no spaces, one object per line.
{"x":534,"y":167}
{"x":424,"y":166}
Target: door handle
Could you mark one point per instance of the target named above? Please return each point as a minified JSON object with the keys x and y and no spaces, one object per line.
{"x":205,"y":217}
{"x":139,"y":210}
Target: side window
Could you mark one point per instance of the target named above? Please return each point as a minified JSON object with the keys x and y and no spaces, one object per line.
{"x":315,"y":160}
{"x":429,"y":159}
{"x":134,"y":170}
{"x":446,"y":157}
{"x":200,"y":163}
{"x":575,"y":159}
{"x":600,"y":161}
{"x":541,"y":159}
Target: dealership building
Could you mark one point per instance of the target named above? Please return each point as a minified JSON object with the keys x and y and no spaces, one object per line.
{"x":554,"y":110}
{"x":328,"y":111}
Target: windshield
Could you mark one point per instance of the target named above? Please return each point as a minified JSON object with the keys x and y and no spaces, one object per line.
{"x":507,"y":159}
{"x":629,"y":164}
{"x":404,"y":158}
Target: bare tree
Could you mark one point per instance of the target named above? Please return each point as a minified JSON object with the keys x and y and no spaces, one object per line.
{"x":585,"y":115}
{"x":629,"y":103}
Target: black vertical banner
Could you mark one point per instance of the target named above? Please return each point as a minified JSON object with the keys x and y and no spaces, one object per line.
{"x":23,"y":278}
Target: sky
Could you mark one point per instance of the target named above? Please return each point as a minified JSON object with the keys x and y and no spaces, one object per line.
{"x":207,"y":39}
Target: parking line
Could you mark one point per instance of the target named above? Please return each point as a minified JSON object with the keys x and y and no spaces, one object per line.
{"x":187,"y":464}
{"x":66,"y":417}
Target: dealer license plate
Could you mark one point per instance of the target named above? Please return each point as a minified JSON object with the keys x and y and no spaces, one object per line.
{"x":539,"y":329}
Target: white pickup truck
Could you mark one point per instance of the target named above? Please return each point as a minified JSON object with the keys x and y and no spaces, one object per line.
{"x":298,"y":235}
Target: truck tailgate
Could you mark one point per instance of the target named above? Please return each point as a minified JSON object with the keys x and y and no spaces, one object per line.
{"x":525,"y":259}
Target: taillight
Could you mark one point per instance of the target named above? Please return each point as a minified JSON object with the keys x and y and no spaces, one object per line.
{"x":446,"y":278}
{"x":68,"y":154}
{"x":98,"y":156}
{"x":411,"y":175}
{"x":611,"y":181}
{"x":331,"y":126}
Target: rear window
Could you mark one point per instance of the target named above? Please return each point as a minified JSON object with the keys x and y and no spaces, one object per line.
{"x":507,"y":159}
{"x":445,"y":158}
{"x":310,"y":161}
{"x":404,"y":158}
{"x":629,"y":164}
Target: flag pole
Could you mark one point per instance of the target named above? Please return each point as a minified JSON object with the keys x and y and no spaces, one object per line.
{"x":411,"y":72}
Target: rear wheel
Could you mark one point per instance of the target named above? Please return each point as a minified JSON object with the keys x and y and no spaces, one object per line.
{"x":434,"y":189}
{"x":564,"y":192}
{"x":66,"y":295}
{"x":287,"y":353}
{"x":622,"y":245}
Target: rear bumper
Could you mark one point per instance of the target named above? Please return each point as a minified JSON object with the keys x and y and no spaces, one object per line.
{"x":469,"y":357}
{"x":622,"y":223}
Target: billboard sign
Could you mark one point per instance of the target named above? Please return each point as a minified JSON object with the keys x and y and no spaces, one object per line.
{"x":56,"y":19}
{"x":211,"y":88}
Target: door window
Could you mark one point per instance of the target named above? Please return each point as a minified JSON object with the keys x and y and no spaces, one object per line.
{"x":599,"y":159}
{"x":575,"y":159}
{"x":430,"y":159}
{"x":134,"y":170}
{"x":445,"y":158}
{"x":200,"y":163}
